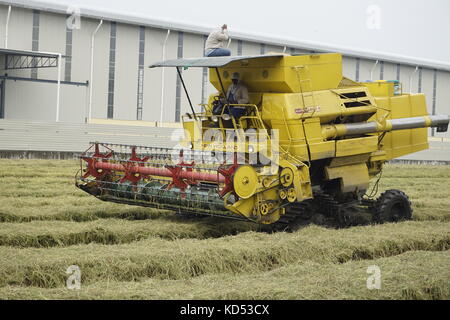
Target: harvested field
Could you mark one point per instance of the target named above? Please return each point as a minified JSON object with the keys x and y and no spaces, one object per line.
{"x":47,"y":225}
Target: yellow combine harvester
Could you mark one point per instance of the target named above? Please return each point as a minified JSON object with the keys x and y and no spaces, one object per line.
{"x":305,"y":147}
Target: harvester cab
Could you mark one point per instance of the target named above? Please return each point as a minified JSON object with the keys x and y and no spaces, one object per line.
{"x":305,"y":147}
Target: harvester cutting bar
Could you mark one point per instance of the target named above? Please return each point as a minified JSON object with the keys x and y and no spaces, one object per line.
{"x":179,"y":169}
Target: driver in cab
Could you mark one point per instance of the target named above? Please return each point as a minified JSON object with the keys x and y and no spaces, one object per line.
{"x":237,"y":94}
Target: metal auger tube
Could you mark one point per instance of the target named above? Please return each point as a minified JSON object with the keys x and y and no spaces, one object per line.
{"x":339,"y":130}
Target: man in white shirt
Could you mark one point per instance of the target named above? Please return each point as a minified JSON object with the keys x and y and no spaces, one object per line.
{"x":216,"y":43}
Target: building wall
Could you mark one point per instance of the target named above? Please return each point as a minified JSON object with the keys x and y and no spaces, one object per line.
{"x":126,"y":75}
{"x":20,"y":27}
{"x":154,"y":87}
{"x":443,"y":97}
{"x":25,"y":106}
{"x":39,"y":101}
{"x":52,"y":38}
{"x":3,"y":15}
{"x":193,"y":48}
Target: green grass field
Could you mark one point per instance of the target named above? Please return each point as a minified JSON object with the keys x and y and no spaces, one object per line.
{"x":47,"y":225}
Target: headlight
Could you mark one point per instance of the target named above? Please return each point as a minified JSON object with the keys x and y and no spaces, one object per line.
{"x":190,"y":146}
{"x":215,"y":119}
{"x":251,"y":149}
{"x":226,"y":117}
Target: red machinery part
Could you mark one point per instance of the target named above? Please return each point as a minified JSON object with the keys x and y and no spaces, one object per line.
{"x":131,"y":176}
{"x":91,"y":161}
{"x":163,"y":172}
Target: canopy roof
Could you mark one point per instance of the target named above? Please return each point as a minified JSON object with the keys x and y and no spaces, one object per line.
{"x":212,"y":62}
{"x":24,"y":59}
{"x":26,"y":53}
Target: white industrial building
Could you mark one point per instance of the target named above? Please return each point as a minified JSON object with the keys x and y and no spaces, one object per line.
{"x":63,"y":83}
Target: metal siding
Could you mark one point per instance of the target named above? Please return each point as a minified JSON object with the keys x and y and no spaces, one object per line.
{"x":112,"y":70}
{"x":40,"y":100}
{"x":419,"y":80}
{"x":357,"y":69}
{"x":72,"y":103}
{"x":239,"y":47}
{"x":2,"y":99}
{"x":20,"y":23}
{"x":262,"y":49}
{"x":365,"y":66}
{"x":204,"y":77}
{"x":349,"y":67}
{"x":381,"y":70}
{"x":297,"y":51}
{"x":68,"y":53}
{"x":152,"y":89}
{"x":233,"y":47}
{"x":2,"y":65}
{"x":75,"y":137}
{"x":35,"y":39}
{"x":193,"y":47}
{"x":126,"y":75}
{"x":427,"y":88}
{"x":81,"y":50}
{"x":390,"y":71}
{"x":52,"y":38}
{"x":178,"y":90}
{"x":443,"y":97}
{"x":374,"y":70}
{"x":405,"y":74}
{"x":101,"y":72}
{"x":141,"y":74}
{"x":274,"y":49}
{"x":33,"y":105}
{"x":3,"y":15}
{"x":251,"y":48}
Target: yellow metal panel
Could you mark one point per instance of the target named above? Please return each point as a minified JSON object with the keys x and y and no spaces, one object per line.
{"x":400,"y":143}
{"x":325,"y":105}
{"x":354,"y":177}
{"x":380,"y":88}
{"x":349,"y":147}
{"x":322,"y":150}
{"x":288,"y":74}
{"x":292,"y":137}
{"x":346,"y":161}
{"x":318,"y":148}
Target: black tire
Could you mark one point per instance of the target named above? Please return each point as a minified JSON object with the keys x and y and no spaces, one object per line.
{"x":393,"y":206}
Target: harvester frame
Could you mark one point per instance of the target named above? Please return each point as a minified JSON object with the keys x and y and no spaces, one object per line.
{"x":305,"y":150}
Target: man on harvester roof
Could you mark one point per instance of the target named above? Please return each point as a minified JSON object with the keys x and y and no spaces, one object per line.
{"x":216,"y":42}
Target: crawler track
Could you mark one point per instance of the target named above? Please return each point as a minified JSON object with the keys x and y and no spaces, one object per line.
{"x":326,"y":211}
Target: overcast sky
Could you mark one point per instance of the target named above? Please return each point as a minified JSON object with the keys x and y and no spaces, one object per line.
{"x":415,"y":28}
